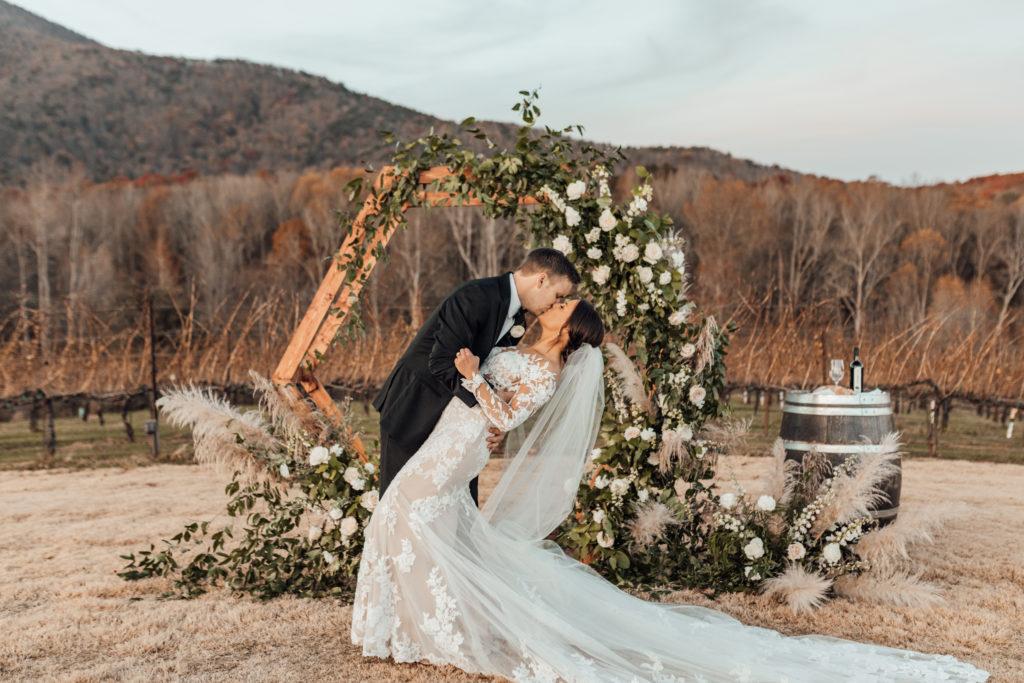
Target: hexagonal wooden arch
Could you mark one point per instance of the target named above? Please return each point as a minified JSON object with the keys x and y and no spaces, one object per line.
{"x":312,"y":336}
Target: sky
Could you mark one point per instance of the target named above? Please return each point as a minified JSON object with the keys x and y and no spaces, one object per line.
{"x":910,"y":91}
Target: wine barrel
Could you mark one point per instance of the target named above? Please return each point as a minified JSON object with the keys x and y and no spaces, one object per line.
{"x":837,"y":425}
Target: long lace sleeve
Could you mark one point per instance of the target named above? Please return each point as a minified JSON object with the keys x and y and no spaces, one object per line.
{"x":507,"y":416}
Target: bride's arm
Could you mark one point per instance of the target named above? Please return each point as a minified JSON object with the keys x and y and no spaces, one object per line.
{"x":503,"y":414}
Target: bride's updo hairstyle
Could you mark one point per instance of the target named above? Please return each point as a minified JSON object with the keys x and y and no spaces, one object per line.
{"x":585,"y":327}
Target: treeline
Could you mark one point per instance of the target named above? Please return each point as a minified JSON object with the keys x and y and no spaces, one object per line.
{"x":926,"y":280}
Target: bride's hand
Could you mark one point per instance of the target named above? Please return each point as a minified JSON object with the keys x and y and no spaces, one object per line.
{"x":466,"y":363}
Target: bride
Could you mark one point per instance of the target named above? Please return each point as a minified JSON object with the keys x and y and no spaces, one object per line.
{"x":445,"y":582}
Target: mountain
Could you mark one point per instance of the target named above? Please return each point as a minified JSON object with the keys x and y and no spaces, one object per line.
{"x":125,"y":113}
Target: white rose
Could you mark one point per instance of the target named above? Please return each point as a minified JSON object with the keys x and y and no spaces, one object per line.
{"x":652,"y":252}
{"x":629,"y":253}
{"x":319,"y":455}
{"x":619,"y":487}
{"x":685,"y":432}
{"x":607,"y":221}
{"x":351,"y":475}
{"x":369,"y":500}
{"x":832,"y":553}
{"x":575,"y":189}
{"x":335,"y":514}
{"x":688,"y":350}
{"x":369,"y":467}
{"x":328,"y":557}
{"x":335,"y":449}
{"x":631,"y":432}
{"x":727,"y":500}
{"x":598,"y":516}
{"x":796,"y":551}
{"x":600,"y":274}
{"x":645,"y":273}
{"x":665,"y":278}
{"x":517,"y":331}
{"x":283,"y":469}
{"x":314,"y":532}
{"x":697,"y":395}
{"x":601,"y":481}
{"x":677,"y":318}
{"x":647,"y":434}
{"x":604,"y":540}
{"x":754,"y":549}
{"x":594,"y":253}
{"x":593,"y":235}
{"x":678,"y":259}
{"x":766,"y":503}
{"x":562,"y":244}
{"x":572,"y":217}
{"x":348,"y":526}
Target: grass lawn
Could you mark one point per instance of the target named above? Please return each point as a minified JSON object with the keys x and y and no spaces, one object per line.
{"x":89,"y":444}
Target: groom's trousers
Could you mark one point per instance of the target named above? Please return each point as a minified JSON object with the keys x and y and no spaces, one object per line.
{"x":393,"y":457}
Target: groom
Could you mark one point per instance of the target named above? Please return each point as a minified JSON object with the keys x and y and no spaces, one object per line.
{"x":479,"y":314}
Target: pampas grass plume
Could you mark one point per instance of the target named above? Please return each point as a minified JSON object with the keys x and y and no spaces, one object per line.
{"x":800,"y":589}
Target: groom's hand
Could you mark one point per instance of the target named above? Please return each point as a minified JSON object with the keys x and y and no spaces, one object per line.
{"x":495,"y":440}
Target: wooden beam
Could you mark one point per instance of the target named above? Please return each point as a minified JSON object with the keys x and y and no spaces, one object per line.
{"x":315,"y":332}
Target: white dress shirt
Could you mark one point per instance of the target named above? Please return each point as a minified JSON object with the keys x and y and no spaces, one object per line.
{"x":513,"y":308}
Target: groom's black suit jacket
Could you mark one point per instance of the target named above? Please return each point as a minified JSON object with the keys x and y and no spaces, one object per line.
{"x":424,"y":379}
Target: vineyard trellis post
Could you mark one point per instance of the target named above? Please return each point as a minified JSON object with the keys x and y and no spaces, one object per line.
{"x":339,"y":290}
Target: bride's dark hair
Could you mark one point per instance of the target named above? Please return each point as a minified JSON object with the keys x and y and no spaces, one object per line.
{"x":585,"y":327}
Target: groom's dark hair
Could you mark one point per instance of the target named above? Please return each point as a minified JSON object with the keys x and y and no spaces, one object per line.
{"x":550,"y":261}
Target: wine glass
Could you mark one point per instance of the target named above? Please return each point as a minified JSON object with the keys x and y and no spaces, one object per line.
{"x":837,"y":369}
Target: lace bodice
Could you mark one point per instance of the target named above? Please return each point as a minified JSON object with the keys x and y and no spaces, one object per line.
{"x":527,"y":375}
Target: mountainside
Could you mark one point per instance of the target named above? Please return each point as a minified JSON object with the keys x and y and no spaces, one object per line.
{"x":126,"y":113}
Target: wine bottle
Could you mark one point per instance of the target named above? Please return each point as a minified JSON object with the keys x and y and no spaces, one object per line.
{"x":856,"y":371}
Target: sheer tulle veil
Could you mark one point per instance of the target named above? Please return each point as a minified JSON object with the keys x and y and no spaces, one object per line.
{"x":549,"y":453}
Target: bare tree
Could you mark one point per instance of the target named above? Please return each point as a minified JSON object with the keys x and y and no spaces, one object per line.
{"x":1011,"y":250}
{"x":484,"y":244}
{"x":867,"y":229}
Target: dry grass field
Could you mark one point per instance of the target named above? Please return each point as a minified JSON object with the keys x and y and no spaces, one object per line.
{"x":67,"y":616}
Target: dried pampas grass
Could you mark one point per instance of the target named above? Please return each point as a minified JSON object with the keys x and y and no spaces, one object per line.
{"x":630,"y":382}
{"x":887,"y":547}
{"x":730,"y":435}
{"x":215,"y":423}
{"x":857,"y":492}
{"x":293,"y":419}
{"x":706,"y":344}
{"x":890,"y":588}
{"x":800,"y":589}
{"x":673,"y":447}
{"x":783,"y":477}
{"x":650,"y":522}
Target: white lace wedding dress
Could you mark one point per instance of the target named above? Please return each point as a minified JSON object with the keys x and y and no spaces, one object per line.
{"x":438,"y":583}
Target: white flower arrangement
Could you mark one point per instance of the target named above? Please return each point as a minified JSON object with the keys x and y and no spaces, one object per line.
{"x":562,"y":243}
{"x":369,"y":500}
{"x":319,"y":456}
{"x":607,"y":220}
{"x":754,"y":549}
{"x":348,"y":526}
{"x":575,"y":190}
{"x":600,"y":274}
